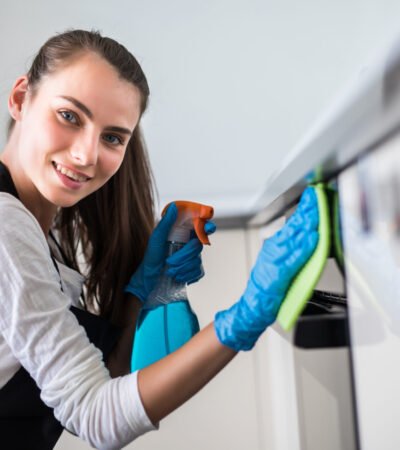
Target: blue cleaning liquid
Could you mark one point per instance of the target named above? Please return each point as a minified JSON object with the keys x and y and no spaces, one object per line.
{"x":165,"y":323}
{"x":162,"y":330}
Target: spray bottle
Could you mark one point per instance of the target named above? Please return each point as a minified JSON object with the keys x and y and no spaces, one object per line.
{"x":166,"y":320}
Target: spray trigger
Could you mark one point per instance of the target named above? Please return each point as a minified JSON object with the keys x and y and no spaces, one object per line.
{"x":191,"y":216}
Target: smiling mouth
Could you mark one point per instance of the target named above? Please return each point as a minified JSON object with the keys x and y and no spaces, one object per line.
{"x":69,"y":173}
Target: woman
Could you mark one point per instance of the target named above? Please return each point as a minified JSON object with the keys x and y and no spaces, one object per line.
{"x":76,"y":208}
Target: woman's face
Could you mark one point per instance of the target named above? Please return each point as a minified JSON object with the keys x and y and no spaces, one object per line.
{"x":74,"y":131}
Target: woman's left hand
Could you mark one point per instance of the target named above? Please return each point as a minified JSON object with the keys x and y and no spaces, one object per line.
{"x":184,"y":266}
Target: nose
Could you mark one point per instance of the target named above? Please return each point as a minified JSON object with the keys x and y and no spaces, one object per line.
{"x":85,"y":150}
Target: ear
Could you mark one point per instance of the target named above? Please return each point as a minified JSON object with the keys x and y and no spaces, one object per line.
{"x":17,"y":97}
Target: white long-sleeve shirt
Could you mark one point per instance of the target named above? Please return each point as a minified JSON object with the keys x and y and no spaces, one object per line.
{"x":40,"y":333}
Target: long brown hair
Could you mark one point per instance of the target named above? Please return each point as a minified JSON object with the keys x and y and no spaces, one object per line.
{"x":109,"y":228}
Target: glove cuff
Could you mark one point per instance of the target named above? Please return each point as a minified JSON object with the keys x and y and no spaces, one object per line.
{"x":233,"y":331}
{"x":131,"y":290}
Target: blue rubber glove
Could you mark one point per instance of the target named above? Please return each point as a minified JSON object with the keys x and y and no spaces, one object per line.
{"x":184,"y":265}
{"x":279,"y":260}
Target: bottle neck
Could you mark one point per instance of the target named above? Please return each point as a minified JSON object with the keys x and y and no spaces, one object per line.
{"x":181,"y":232}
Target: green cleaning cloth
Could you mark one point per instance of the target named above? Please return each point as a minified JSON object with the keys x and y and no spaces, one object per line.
{"x":337,"y":235}
{"x":301,"y":288}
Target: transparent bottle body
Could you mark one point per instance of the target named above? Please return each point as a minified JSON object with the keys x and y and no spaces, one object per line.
{"x":167,"y":290}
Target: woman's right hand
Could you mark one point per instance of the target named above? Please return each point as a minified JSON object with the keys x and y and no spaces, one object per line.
{"x":143,"y":281}
{"x":280,"y":259}
{"x":184,"y":266}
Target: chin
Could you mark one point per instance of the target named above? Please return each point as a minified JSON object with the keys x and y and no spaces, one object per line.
{"x":62,"y":201}
{"x":68,"y":204}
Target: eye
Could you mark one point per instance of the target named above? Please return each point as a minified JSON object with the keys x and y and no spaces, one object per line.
{"x":69,"y":117}
{"x":113,"y":139}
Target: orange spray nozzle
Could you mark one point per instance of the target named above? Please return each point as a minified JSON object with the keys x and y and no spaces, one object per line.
{"x":191,"y":215}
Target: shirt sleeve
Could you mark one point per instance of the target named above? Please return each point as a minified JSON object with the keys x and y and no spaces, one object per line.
{"x":46,"y":338}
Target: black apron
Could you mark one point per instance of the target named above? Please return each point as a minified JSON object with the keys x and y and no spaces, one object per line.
{"x":26,"y":423}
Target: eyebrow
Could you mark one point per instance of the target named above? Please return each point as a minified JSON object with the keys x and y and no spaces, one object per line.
{"x":89,"y":114}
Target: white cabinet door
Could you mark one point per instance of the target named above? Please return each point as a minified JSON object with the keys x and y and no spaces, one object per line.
{"x":305,"y":395}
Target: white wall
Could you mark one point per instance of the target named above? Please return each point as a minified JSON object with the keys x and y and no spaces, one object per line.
{"x":234,"y":83}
